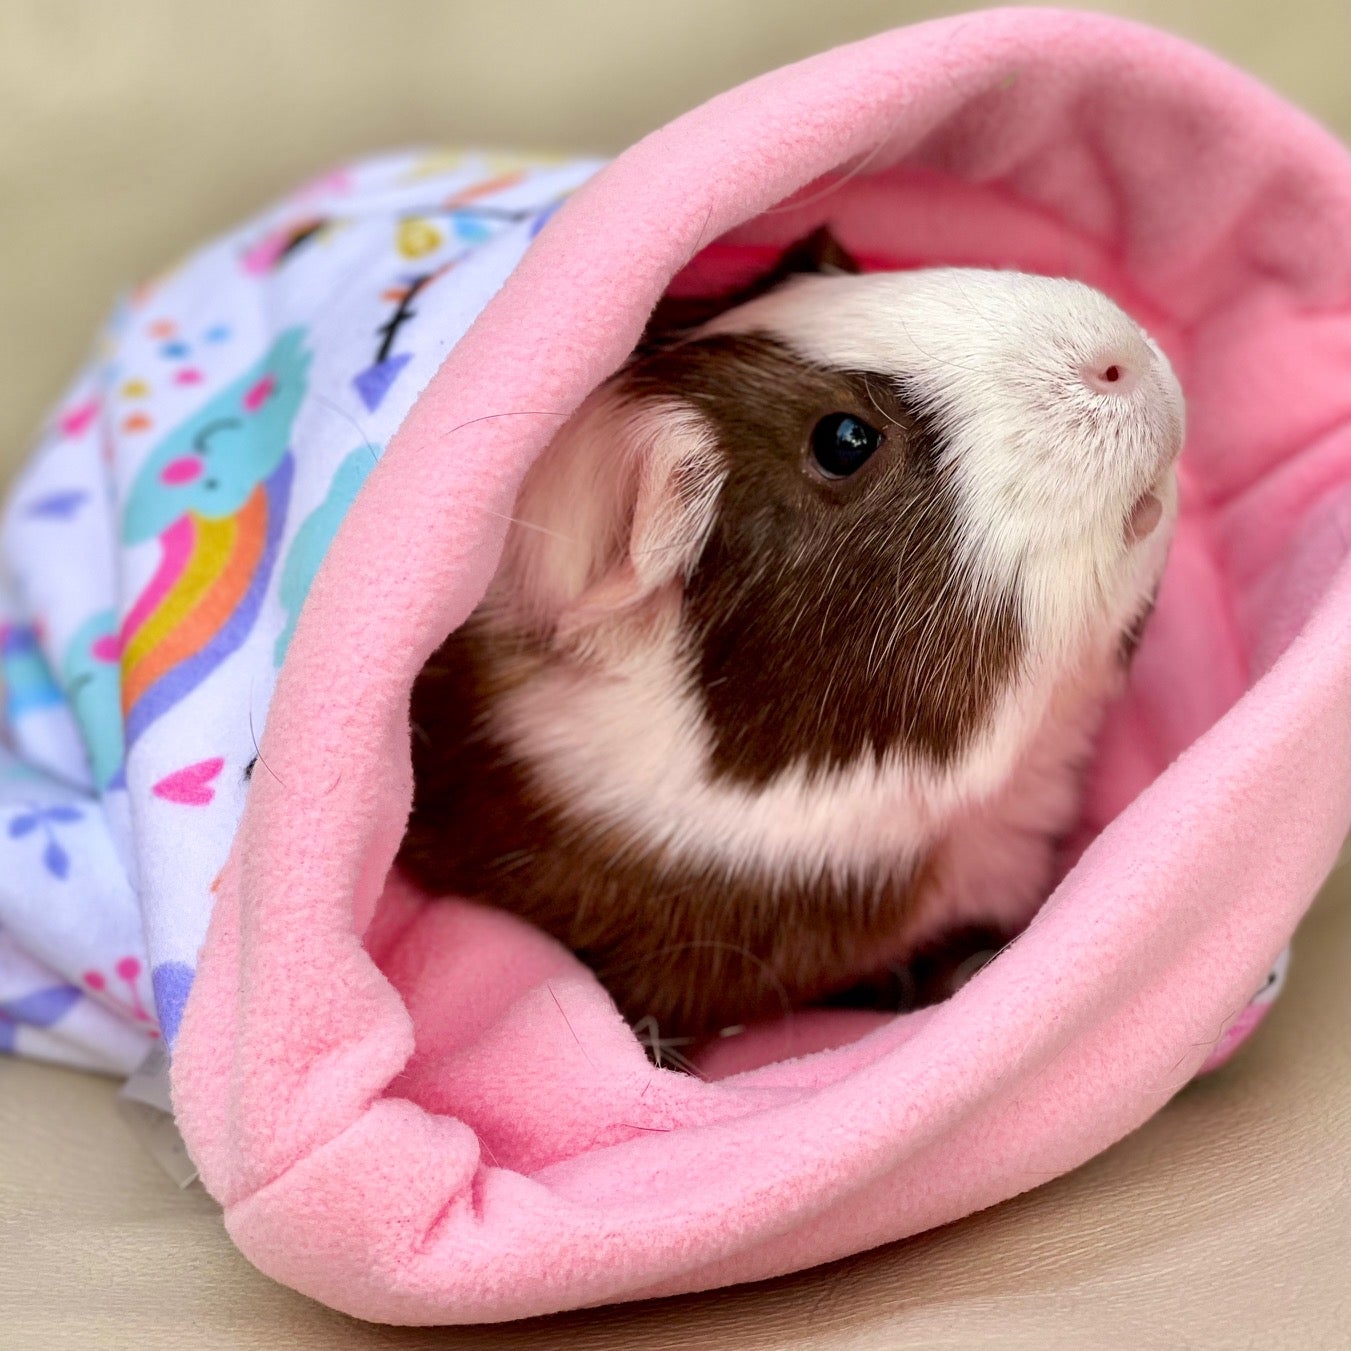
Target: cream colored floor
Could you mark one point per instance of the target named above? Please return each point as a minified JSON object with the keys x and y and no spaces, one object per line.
{"x":128,"y":131}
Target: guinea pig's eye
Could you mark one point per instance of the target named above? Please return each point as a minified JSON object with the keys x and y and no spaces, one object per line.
{"x":842,"y":444}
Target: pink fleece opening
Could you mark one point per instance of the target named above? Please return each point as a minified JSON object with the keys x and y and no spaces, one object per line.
{"x":431,"y":1113}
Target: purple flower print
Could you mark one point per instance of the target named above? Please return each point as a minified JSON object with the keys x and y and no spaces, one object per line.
{"x":58,"y":505}
{"x":40,"y":1008}
{"x":44,"y":821}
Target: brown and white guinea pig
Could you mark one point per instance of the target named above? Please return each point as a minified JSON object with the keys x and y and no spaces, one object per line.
{"x":800,"y":640}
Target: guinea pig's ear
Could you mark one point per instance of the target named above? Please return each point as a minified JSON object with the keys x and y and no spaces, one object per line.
{"x":817,"y":252}
{"x":611,"y":518}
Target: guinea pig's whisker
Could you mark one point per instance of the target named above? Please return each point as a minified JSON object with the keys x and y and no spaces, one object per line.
{"x":563,"y":1014}
{"x":933,"y":356}
{"x":976,"y":310}
{"x":835,"y":564}
{"x":928,"y":646}
{"x":837,"y":182}
{"x":648,"y":1031}
{"x":887,"y":635}
{"x":861,"y":162}
{"x":886,"y":417}
{"x":722,"y":947}
{"x":531,"y":525}
{"x":703,"y":229}
{"x":520,"y":412}
{"x":671,"y":545}
{"x":367,"y":440}
{"x":257,"y":750}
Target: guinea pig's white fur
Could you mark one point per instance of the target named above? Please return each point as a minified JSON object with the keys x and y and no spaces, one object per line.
{"x":1048,"y":468}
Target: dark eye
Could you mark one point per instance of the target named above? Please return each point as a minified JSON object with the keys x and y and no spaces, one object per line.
{"x":842,"y":444}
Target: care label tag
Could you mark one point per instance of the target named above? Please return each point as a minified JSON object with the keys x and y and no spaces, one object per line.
{"x":146,"y":1107}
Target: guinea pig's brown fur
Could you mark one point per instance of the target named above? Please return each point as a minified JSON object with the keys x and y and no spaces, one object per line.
{"x":828,"y":635}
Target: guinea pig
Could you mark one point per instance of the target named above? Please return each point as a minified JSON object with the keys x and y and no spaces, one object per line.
{"x":801,"y":637}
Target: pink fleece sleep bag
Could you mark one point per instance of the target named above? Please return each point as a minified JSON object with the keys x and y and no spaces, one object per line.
{"x":426,"y":1112}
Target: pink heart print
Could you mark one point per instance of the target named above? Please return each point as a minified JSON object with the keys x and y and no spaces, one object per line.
{"x":190,"y":786}
{"x":77,"y":419}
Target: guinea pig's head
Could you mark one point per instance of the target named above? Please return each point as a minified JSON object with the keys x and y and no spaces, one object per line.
{"x":862,"y":514}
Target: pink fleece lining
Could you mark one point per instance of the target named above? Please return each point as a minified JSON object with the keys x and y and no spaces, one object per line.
{"x":427,"y":1113}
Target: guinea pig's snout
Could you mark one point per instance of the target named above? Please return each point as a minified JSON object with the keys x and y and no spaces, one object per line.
{"x":1130,"y":378}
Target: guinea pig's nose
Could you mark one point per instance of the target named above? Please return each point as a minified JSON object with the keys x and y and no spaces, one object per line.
{"x":1118,"y":369}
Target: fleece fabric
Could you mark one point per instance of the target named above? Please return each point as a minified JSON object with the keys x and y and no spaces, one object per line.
{"x":427,"y":1112}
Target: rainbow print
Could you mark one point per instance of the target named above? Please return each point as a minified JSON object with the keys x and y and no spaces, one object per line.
{"x":214,"y":495}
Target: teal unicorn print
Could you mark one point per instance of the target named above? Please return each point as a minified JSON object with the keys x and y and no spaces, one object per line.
{"x":92,"y":675}
{"x":212,"y":464}
{"x":314,"y":537}
{"x":26,"y":681}
{"x":215,"y":495}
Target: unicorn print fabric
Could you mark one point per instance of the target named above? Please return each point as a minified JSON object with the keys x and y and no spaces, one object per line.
{"x":159,"y":547}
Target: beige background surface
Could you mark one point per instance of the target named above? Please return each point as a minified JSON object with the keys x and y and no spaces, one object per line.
{"x":130,"y":130}
{"x":127,"y":132}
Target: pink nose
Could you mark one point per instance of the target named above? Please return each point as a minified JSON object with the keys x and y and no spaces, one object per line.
{"x":1117,"y":369}
{"x":1116,"y":377}
{"x":182,"y":470}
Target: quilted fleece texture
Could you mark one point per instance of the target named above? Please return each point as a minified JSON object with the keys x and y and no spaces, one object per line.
{"x":429,"y":1113}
